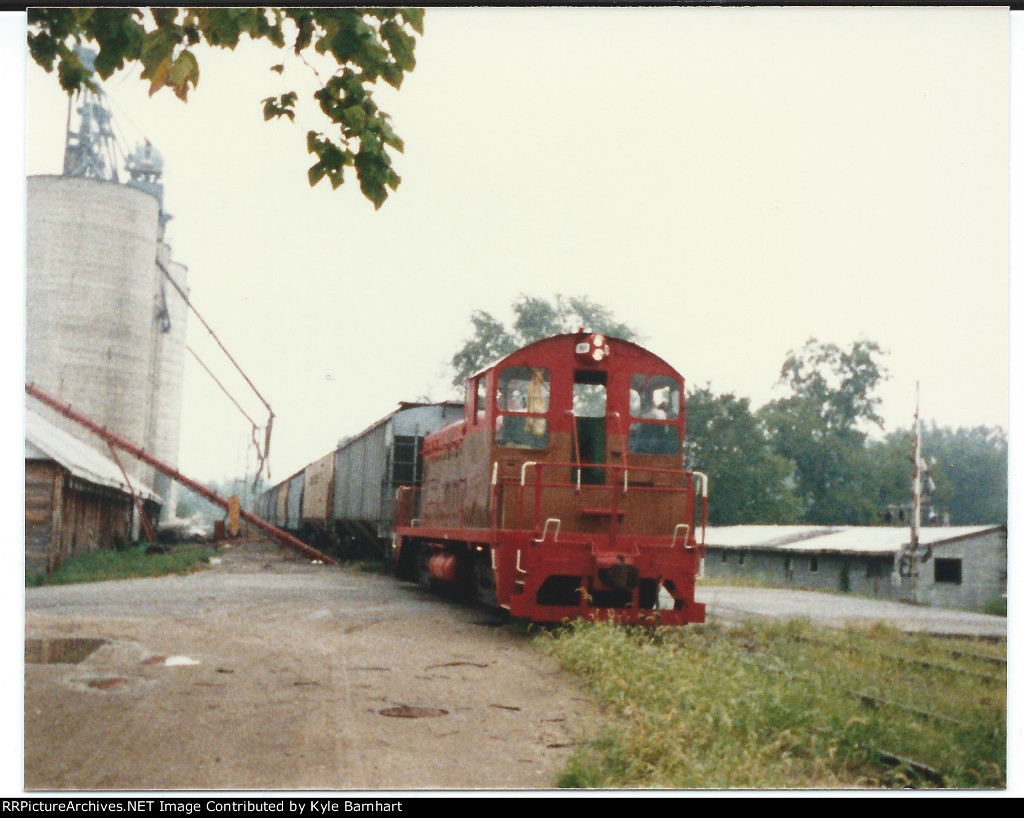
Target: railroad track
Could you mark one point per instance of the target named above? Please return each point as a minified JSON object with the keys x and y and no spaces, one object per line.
{"x":918,"y":772}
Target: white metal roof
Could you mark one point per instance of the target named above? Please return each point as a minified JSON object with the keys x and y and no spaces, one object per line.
{"x":839,"y":539}
{"x":43,"y":439}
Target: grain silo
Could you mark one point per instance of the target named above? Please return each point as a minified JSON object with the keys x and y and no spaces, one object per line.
{"x":105,"y":327}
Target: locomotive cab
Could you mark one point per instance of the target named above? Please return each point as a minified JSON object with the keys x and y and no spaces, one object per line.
{"x":562,"y":492}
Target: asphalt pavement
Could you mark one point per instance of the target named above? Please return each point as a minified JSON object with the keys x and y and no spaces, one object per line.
{"x":734,"y":603}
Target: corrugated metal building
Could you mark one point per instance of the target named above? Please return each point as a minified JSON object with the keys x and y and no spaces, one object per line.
{"x":962,"y":567}
{"x":76,"y":500}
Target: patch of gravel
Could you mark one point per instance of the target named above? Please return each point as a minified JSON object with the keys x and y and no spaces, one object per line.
{"x":288,"y":676}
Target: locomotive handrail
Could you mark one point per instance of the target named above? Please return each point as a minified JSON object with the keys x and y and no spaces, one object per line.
{"x":614,"y":467}
{"x":691,"y":484}
{"x":519,"y":559}
{"x":686,"y":536}
{"x":576,"y":448}
{"x":625,"y":446}
{"x":544,"y":533}
{"x":522,"y":472}
{"x":703,"y":482}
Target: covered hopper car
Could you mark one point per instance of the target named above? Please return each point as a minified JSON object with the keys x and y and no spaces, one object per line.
{"x":344,"y":501}
{"x":557,"y":492}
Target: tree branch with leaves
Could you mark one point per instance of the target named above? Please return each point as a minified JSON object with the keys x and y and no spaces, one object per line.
{"x":362,"y":46}
{"x":534,"y":319}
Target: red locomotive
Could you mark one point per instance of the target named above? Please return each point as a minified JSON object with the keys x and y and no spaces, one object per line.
{"x":561,"y":493}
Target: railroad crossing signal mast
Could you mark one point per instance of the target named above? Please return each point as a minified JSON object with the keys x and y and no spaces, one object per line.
{"x":911,"y":560}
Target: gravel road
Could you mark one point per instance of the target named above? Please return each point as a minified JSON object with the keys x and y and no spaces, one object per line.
{"x":266,"y":672}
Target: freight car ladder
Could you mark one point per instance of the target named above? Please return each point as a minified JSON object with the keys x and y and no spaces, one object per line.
{"x":406,"y":460}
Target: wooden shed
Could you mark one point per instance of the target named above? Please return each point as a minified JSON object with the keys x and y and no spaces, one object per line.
{"x":76,"y":500}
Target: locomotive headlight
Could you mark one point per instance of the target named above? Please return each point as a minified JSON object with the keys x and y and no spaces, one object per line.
{"x":594,"y":349}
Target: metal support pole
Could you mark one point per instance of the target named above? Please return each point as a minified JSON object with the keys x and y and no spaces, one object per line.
{"x":143,"y":519}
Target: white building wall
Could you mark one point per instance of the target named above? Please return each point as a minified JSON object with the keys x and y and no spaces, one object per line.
{"x":169,"y":366}
{"x":982,"y":562}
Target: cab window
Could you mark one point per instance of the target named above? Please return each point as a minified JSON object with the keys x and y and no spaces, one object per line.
{"x":522,"y":398}
{"x":654,"y":397}
{"x":654,"y":403}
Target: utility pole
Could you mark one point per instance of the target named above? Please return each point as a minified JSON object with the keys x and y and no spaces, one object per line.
{"x":915,"y":514}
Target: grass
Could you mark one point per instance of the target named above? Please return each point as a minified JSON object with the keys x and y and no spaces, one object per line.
{"x":995,"y":606}
{"x":374,"y":565}
{"x":785,"y":706}
{"x":125,"y":563}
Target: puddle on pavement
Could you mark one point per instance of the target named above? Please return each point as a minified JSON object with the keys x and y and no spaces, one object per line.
{"x":60,"y":651}
{"x":178,"y":661}
{"x":404,"y":711}
{"x":106,"y":684}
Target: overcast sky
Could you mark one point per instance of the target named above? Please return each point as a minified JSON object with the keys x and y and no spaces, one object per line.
{"x":730,"y":182}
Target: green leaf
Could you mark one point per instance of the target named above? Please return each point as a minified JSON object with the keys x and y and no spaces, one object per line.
{"x":415,"y":18}
{"x":156,"y":51}
{"x":316,"y":173}
{"x":367,"y":45}
{"x":164,"y":17}
{"x":184,"y":72}
{"x":220,"y":26}
{"x":354,"y":118}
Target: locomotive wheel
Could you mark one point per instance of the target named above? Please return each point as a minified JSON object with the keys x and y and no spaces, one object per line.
{"x":422,"y":558}
{"x":483,"y":579}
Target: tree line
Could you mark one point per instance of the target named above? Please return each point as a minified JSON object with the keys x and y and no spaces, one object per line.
{"x":807,"y":458}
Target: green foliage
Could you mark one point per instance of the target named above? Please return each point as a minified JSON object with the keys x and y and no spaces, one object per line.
{"x":819,"y":427}
{"x":970,"y":469}
{"x":374,"y":566}
{"x":995,"y":606}
{"x":750,"y":483}
{"x":772,"y":706}
{"x":534,"y":319}
{"x":366,"y":45}
{"x":126,"y":563}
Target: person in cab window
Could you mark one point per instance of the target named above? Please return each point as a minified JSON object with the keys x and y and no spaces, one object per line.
{"x":658,"y":412}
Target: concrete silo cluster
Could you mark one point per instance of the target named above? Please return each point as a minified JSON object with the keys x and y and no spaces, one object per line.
{"x":105,"y":325}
